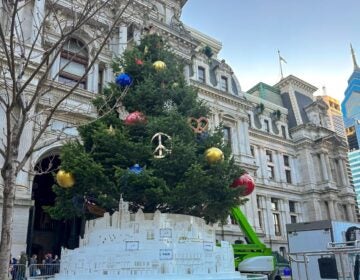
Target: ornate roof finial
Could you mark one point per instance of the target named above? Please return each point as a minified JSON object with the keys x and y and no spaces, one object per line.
{"x":353,"y":57}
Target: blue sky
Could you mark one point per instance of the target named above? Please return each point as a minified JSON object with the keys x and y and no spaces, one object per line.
{"x":313,"y":36}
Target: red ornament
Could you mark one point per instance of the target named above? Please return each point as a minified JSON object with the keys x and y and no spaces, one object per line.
{"x":245,"y":182}
{"x":134,"y":118}
{"x":138,"y":61}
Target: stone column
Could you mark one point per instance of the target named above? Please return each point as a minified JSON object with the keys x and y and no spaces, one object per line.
{"x":332,"y":209}
{"x":246,"y":136}
{"x":55,"y":68}
{"x":263,"y":162}
{"x":323,"y":167}
{"x":122,"y":39}
{"x":108,"y":74}
{"x":137,"y":35}
{"x":342,"y":172}
{"x":241,"y":137}
{"x":328,"y":167}
{"x":284,"y":215}
{"x":349,"y":212}
{"x":293,"y":168}
{"x":37,"y":21}
{"x":345,"y":172}
{"x":95,"y":77}
{"x":187,"y":73}
{"x":268,"y":218}
{"x":278,"y":166}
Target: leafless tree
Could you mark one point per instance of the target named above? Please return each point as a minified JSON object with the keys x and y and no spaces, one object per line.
{"x":31,"y":41}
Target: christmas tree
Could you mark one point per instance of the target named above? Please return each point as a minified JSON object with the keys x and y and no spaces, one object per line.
{"x":160,"y":157}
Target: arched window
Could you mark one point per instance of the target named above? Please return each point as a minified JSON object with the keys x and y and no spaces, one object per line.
{"x":73,"y":63}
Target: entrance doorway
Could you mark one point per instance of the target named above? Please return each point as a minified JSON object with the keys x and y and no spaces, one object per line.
{"x":46,"y":235}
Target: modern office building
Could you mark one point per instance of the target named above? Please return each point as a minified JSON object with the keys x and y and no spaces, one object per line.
{"x":279,"y":133}
{"x":351,"y":114}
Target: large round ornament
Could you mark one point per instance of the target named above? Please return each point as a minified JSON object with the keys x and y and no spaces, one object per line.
{"x":65,"y":179}
{"x":139,"y":62}
{"x":135,"y":118}
{"x":159,"y":65}
{"x":214,"y":155}
{"x":136,"y":169}
{"x":123,"y":80}
{"x":246,"y":183}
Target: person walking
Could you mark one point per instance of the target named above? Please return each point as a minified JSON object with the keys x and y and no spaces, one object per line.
{"x":56,"y":264}
{"x":33,"y":265}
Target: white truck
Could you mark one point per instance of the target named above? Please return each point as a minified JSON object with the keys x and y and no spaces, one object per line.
{"x":324,"y":250}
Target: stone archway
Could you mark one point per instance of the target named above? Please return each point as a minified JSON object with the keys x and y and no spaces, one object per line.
{"x":46,"y":235}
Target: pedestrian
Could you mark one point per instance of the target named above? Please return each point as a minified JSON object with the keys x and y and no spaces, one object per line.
{"x":56,"y":264}
{"x":48,"y":264}
{"x":22,"y":266}
{"x":14,"y":268}
{"x":33,"y":265}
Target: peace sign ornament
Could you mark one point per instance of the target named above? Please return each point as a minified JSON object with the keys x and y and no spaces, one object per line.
{"x":161,"y":151}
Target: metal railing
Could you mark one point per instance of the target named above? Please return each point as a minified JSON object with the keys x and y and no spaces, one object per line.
{"x":43,"y":270}
{"x":17,"y":272}
{"x":344,"y":254}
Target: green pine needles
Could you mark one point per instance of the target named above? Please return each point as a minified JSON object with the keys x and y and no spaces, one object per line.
{"x":181,"y":182}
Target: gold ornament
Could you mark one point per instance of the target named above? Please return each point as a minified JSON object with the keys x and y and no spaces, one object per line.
{"x":65,"y":179}
{"x":159,"y":65}
{"x":214,"y":155}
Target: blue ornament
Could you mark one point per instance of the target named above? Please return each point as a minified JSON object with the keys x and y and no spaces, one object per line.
{"x":287,"y":271}
{"x":136,"y":169}
{"x":123,"y":80}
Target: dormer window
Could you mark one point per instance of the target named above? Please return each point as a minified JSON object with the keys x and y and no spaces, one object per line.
{"x":73,"y":63}
{"x":201,"y":74}
{"x":224,"y":83}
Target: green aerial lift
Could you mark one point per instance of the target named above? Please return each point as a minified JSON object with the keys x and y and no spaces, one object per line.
{"x":253,"y":256}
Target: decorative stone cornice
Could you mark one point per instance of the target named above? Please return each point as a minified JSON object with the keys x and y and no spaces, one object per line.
{"x":274,"y":139}
{"x":240,"y":103}
{"x":295,"y":81}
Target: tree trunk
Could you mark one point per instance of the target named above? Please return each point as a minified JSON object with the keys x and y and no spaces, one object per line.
{"x":9,"y":177}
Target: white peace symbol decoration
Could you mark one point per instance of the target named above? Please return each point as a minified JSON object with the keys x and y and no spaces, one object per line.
{"x":161,"y":151}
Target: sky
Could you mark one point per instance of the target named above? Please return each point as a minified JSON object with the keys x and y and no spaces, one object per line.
{"x":313,"y":36}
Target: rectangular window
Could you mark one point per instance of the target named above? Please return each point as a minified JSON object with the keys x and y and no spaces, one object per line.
{"x":293,"y":219}
{"x":276,"y":218}
{"x":271,"y":173}
{"x":252,"y":150}
{"x":258,"y":201}
{"x":292,"y":207}
{"x":267,"y":125}
{"x":288,"y":176}
{"x":201,"y":74}
{"x":260,"y":216}
{"x":224,"y":83}
{"x":130,"y":32}
{"x":269,"y":156}
{"x":274,"y":204}
{"x":227,"y":136}
{"x":286,"y":161}
{"x":270,"y":170}
{"x":250,"y":124}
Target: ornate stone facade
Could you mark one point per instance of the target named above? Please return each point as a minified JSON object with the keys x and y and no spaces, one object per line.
{"x":276,"y":132}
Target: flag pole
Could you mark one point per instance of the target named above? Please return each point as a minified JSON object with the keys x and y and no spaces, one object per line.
{"x":281,"y":70}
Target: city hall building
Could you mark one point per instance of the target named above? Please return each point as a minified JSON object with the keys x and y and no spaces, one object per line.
{"x":281,"y":134}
